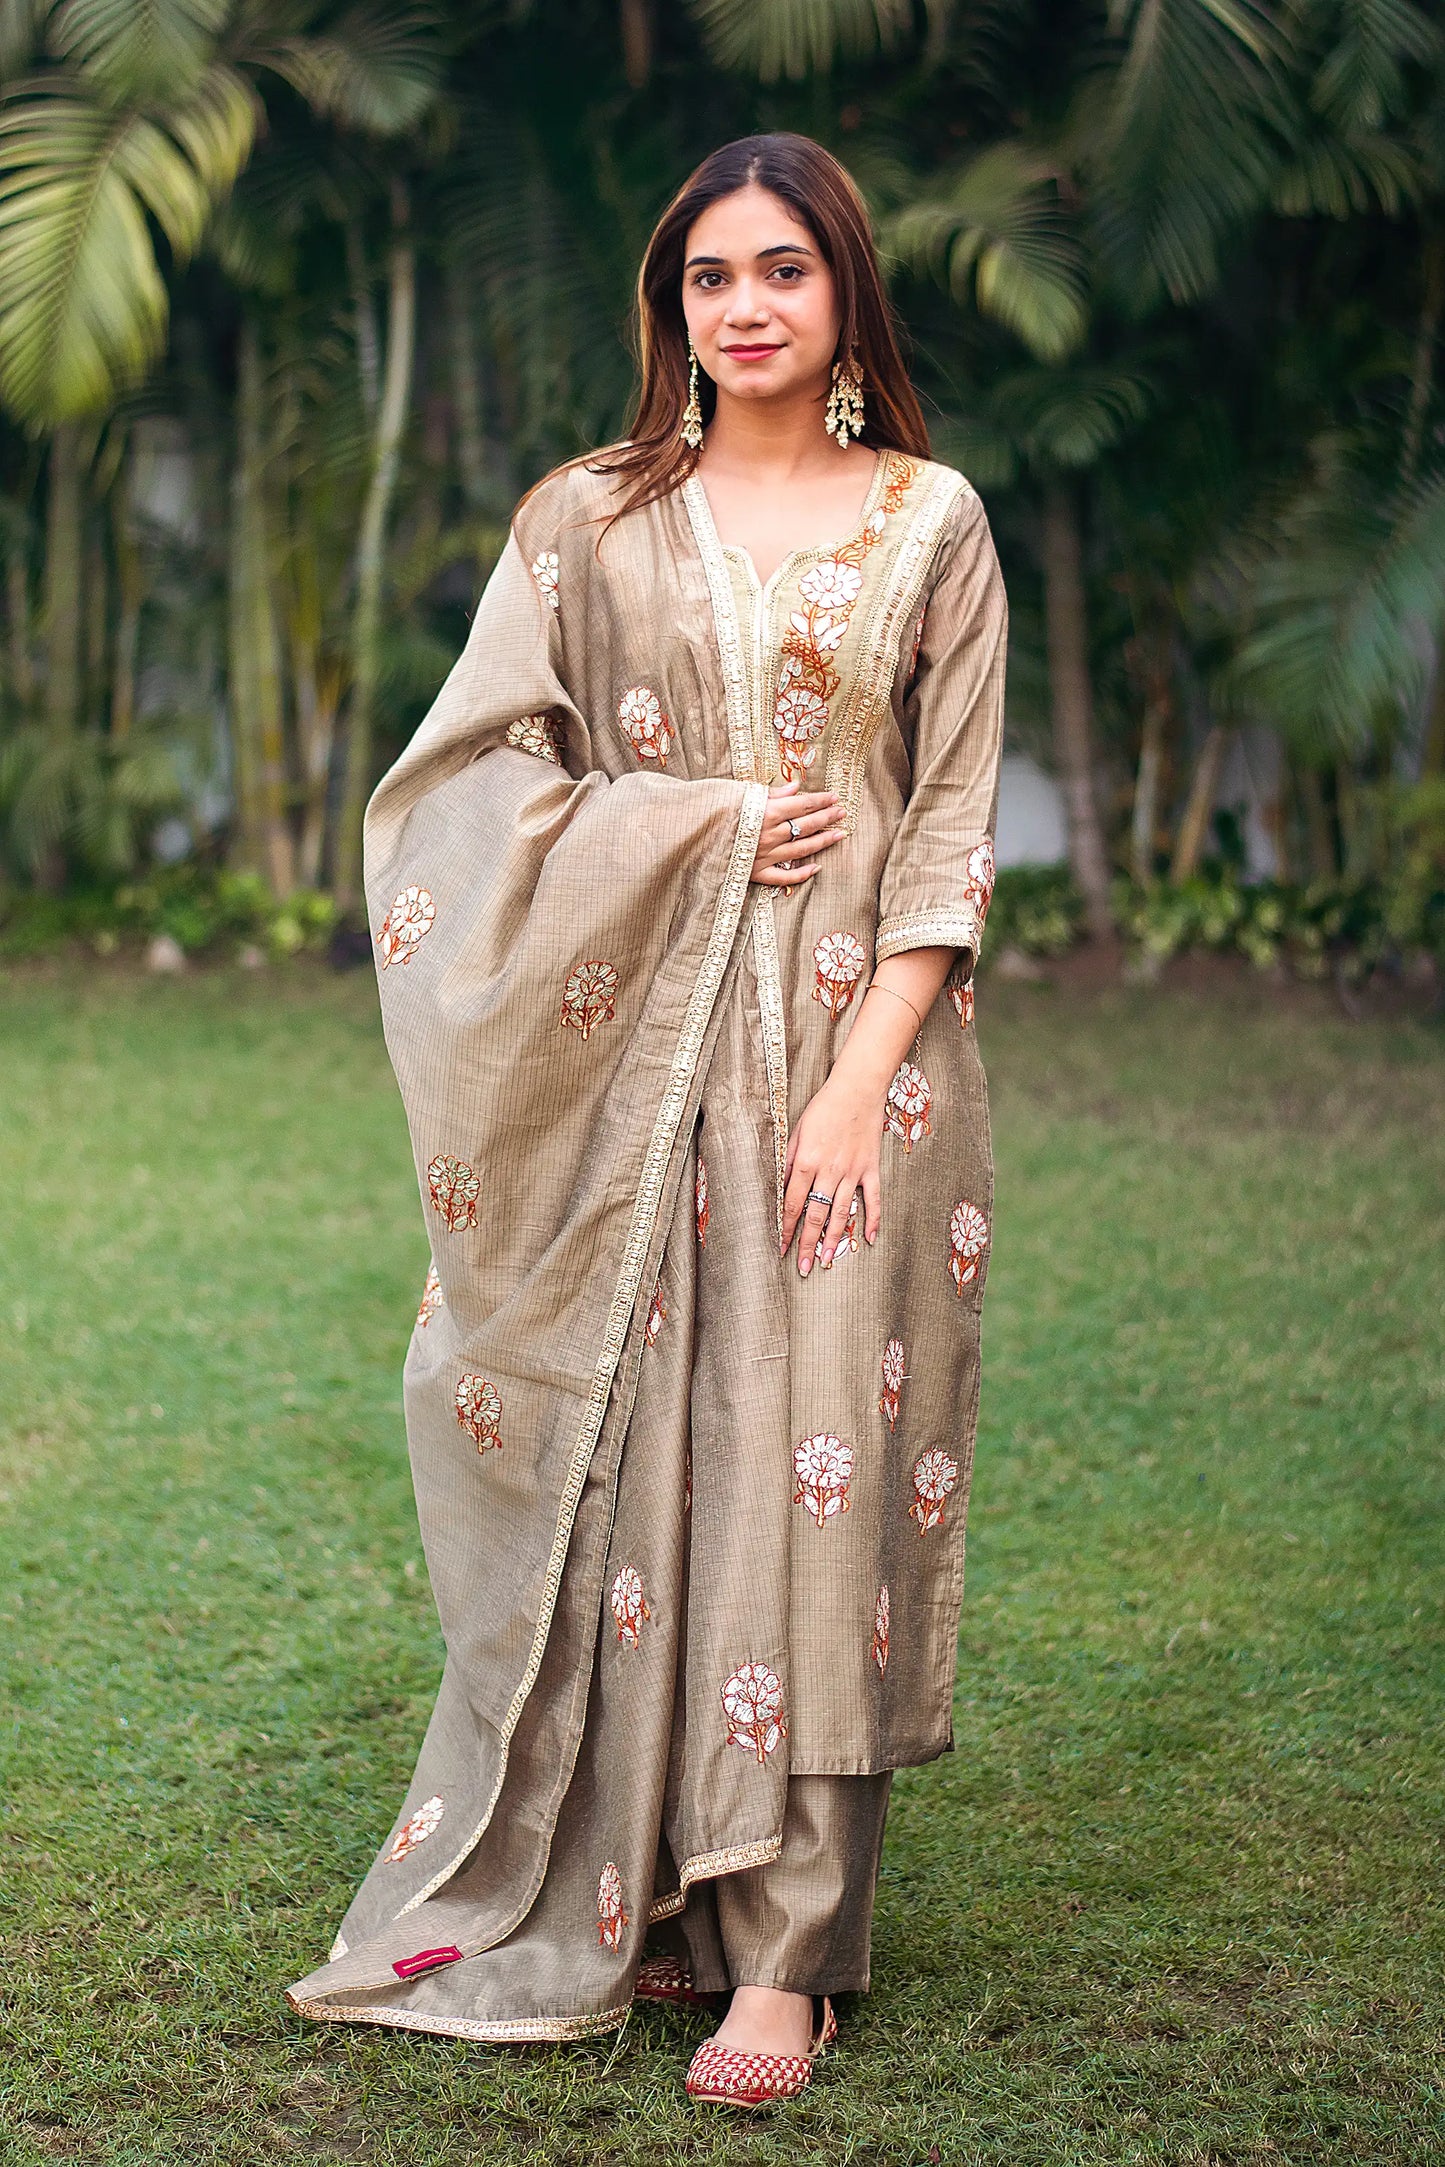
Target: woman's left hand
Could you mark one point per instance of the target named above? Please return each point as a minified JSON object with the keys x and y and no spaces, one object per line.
{"x":835,"y":1150}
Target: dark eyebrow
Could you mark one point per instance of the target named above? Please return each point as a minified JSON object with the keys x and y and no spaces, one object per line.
{"x":779,"y":248}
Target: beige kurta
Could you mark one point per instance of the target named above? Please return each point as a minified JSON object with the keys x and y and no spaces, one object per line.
{"x":692,"y":1523}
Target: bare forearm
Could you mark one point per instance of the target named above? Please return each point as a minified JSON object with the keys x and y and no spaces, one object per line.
{"x":897,"y":999}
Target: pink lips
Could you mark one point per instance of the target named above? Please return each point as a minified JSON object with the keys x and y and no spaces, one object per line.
{"x":749,"y":353}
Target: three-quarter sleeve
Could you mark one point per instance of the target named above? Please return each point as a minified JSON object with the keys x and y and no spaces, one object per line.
{"x":938,"y":876}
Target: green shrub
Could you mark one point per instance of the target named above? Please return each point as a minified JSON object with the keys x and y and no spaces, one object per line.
{"x":207,"y":911}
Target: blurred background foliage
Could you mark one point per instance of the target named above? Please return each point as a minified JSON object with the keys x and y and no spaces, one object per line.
{"x":296,"y":299}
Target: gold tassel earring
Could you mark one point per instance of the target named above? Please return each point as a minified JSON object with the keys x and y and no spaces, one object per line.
{"x":845,"y":400}
{"x":692,"y":413}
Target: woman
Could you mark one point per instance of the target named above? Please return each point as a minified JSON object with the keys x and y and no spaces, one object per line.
{"x":667,"y":888}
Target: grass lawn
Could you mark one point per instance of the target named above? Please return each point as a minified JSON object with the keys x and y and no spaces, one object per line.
{"x":1176,"y":1897}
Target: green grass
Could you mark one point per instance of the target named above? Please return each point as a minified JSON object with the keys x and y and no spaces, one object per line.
{"x":1175,"y":1898}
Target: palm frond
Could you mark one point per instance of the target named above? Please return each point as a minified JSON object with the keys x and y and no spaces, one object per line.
{"x":139,"y":48}
{"x":997,"y":229}
{"x":83,"y":305}
{"x":21,"y":25}
{"x":1070,"y":417}
{"x":796,"y":38}
{"x":1367,"y":48}
{"x":1335,"y":176}
{"x":375,"y":68}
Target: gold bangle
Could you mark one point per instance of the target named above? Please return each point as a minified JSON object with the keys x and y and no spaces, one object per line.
{"x":875,"y":985}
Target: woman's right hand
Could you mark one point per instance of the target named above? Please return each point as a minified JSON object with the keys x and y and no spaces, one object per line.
{"x":797,"y":826}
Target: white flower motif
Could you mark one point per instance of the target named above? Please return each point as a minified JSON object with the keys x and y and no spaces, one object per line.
{"x":838,"y":961}
{"x":831,"y":585}
{"x":590,"y":995}
{"x":432,"y":1298}
{"x":405,"y":926}
{"x":978,"y":868}
{"x":656,"y":1316}
{"x":416,"y":1830}
{"x":824,"y":1468}
{"x":880,"y":1630}
{"x":536,"y":734}
{"x":479,"y":1411}
{"x":934,"y":1476}
{"x":892,"y":1367}
{"x":546,"y":570}
{"x":454,"y":1187}
{"x":909,"y":1103}
{"x":647,"y":728}
{"x":611,"y":1918}
{"x":961,"y":995}
{"x":629,"y":1606}
{"x":968,"y":1243}
{"x":752,"y":1698}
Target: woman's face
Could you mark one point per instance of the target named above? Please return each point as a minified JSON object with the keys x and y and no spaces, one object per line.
{"x":760,"y":301}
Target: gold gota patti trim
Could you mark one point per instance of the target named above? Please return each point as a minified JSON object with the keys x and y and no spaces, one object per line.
{"x":710,"y":1866}
{"x":516,"y":2028}
{"x":929,"y":929}
{"x":851,"y":739}
{"x":624,"y":1299}
{"x":743,"y":751}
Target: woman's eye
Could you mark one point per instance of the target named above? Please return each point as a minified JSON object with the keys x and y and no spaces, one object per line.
{"x":703,"y":277}
{"x":789,"y":272}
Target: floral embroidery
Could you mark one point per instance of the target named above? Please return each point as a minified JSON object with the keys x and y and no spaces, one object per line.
{"x":648,"y":728}
{"x":454,"y":1187}
{"x":704,"y":1212}
{"x":880,"y":1630}
{"x":848,"y":1240}
{"x":423,"y":1823}
{"x":838,"y":961}
{"x":961,"y":995}
{"x":536,"y":734}
{"x":432,"y":1298}
{"x":968,"y":1241}
{"x":545,"y":570}
{"x":590,"y":995}
{"x":629,"y":1606}
{"x":909,"y":1103}
{"x":611,"y":1918}
{"x":807,"y":678}
{"x":978,"y":868}
{"x":405,"y":926}
{"x":656,"y":1316}
{"x":892,"y":1366}
{"x":479,"y":1411}
{"x":824,"y":1468}
{"x":934,"y":1475}
{"x":752,"y":1699}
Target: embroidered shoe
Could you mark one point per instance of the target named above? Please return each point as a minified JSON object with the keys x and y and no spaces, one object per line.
{"x":662,"y":1977}
{"x":737,"y":2079}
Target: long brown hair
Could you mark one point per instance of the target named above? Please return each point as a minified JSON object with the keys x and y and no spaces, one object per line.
{"x":823,"y":196}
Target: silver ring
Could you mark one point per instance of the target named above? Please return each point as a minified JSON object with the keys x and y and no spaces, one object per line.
{"x":816,"y":1196}
{"x":793,"y":826}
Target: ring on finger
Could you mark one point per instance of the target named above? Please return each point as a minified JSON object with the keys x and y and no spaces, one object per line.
{"x":793,"y":827}
{"x":816,"y":1196}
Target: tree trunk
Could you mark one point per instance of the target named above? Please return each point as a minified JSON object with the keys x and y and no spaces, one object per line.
{"x":1199,"y":806}
{"x":1422,"y":371}
{"x":371,"y":547}
{"x":130,"y":589}
{"x":363,"y":316}
{"x":1319,"y":835}
{"x":17,"y":610}
{"x":64,"y":549}
{"x":1157,"y":684}
{"x":256,"y":701}
{"x":466,"y":388}
{"x":636,"y":21}
{"x":1072,"y":700}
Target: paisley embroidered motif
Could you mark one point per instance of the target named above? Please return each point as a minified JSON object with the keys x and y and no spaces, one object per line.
{"x":648,"y":730}
{"x":590,"y":995}
{"x":479,"y":1411}
{"x":752,"y":1698}
{"x":405,"y":926}
{"x":455,"y":1188}
{"x":909,"y":1104}
{"x":838,"y":961}
{"x":422,"y":1824}
{"x":824,"y":1468}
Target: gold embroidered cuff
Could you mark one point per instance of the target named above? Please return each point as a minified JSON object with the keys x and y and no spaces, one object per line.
{"x":960,"y":927}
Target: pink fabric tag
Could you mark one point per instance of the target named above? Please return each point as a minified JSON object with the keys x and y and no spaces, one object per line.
{"x":425,"y":1960}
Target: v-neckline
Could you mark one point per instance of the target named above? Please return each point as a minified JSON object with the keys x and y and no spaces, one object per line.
{"x":805,"y":549}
